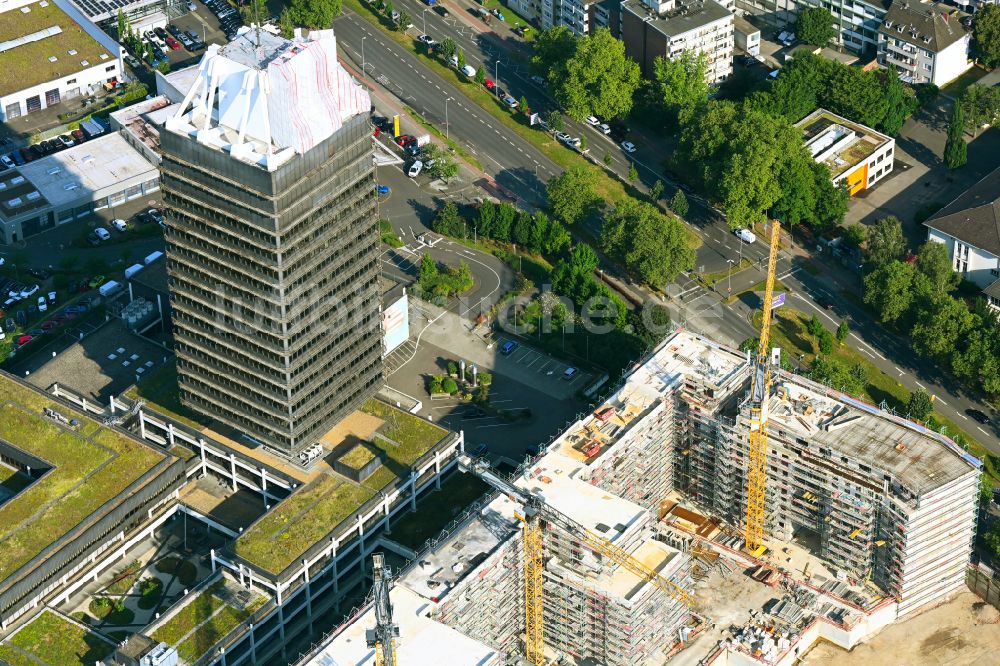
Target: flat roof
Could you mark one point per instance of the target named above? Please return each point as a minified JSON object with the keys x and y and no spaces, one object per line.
{"x":103,"y":162}
{"x":837,"y":142}
{"x":686,"y":16}
{"x":91,"y":466}
{"x":98,"y":10}
{"x":50,"y":32}
{"x":105,"y":363}
{"x":914,"y":456}
{"x":422,"y":640}
{"x":301,"y":520}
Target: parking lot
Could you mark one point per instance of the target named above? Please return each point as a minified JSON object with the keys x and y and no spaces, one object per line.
{"x":538,"y":369}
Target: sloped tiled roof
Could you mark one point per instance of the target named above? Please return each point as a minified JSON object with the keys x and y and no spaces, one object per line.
{"x":930,"y":26}
{"x":974,"y":217}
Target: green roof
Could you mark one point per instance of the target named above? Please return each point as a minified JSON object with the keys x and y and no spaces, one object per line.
{"x":283,"y":535}
{"x":90,"y":467}
{"x":28,"y":64}
{"x":52,"y":639}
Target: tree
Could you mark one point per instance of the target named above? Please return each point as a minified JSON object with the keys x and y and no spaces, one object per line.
{"x":122,"y":25}
{"x":583,"y":143}
{"x":933,"y":262}
{"x":551,"y":49}
{"x":311,"y":13}
{"x":571,"y":194}
{"x":798,"y":198}
{"x":554,"y":121}
{"x":885,"y":241}
{"x":825,"y":342}
{"x":404,"y":21}
{"x":938,"y":327}
{"x":815,"y":26}
{"x":679,"y":203}
{"x":523,"y":105}
{"x":448,"y":48}
{"x":795,"y":93}
{"x":389,"y":9}
{"x":448,"y":221}
{"x":919,"y":405}
{"x":557,"y":238}
{"x":955,"y":149}
{"x":831,"y":200}
{"x":837,"y":374}
{"x":652,"y":246}
{"x":521,"y":233}
{"x":980,"y":106}
{"x":597,"y":79}
{"x":898,"y":103}
{"x":680,"y":82}
{"x":633,"y":173}
{"x":480,"y":74}
{"x":656,"y":191}
{"x":855,"y":93}
{"x":843,"y":331}
{"x":461,"y":59}
{"x":854,"y":235}
{"x":255,"y":12}
{"x":986,"y":35}
{"x":428,"y":269}
{"x":888,"y":289}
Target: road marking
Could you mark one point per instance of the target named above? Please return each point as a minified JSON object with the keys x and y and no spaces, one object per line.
{"x":982,"y":431}
{"x":921,"y":386}
{"x":941,"y":401}
{"x":898,"y":370}
{"x":964,"y":417}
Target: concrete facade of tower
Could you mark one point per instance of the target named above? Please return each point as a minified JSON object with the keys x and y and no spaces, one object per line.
{"x":272,"y":240}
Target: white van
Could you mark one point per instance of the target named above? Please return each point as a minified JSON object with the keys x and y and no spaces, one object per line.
{"x":746,"y":236}
{"x":469,"y":71}
{"x":415,"y":169}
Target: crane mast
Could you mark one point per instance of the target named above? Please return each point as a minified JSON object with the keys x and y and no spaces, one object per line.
{"x":760,"y":391}
{"x":383,"y":637}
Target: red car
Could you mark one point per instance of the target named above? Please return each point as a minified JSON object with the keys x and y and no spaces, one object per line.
{"x":403,"y":140}
{"x":172,"y":43}
{"x":23,"y":340}
{"x":489,"y":84}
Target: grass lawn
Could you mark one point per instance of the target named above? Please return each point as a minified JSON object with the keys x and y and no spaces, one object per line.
{"x":307,"y":515}
{"x":357,"y":457}
{"x":712,"y":278}
{"x":189,"y":617}
{"x":437,"y":509}
{"x":789,"y":333}
{"x":125,"y":579}
{"x":59,"y":501}
{"x":56,"y":641}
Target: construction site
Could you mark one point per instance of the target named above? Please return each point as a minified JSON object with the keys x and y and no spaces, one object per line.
{"x":714,"y":509}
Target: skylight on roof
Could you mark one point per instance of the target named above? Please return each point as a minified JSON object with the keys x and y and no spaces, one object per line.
{"x":31,"y":196}
{"x":72,"y":51}
{"x":25,"y":10}
{"x":104,"y":56}
{"x":53,"y":58}
{"x":84,"y":62}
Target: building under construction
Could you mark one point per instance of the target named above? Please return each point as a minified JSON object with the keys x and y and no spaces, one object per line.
{"x":885,"y":503}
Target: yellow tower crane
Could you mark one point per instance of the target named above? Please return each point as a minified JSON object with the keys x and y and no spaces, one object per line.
{"x":533,"y":511}
{"x":760,"y":391}
{"x":383,"y":637}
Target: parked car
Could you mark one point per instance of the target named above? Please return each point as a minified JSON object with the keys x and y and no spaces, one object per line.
{"x":43,"y":305}
{"x":426,"y":39}
{"x":511,"y":102}
{"x":508,"y":348}
{"x":78,"y":135}
{"x":415,"y":169}
{"x":7,"y":161}
{"x":382,"y":189}
{"x":441,"y":11}
{"x":39,"y":273}
{"x":102,"y":233}
{"x":605,"y":129}
{"x":570,"y":373}
{"x":538,"y":79}
{"x":160,"y":32}
{"x":66,"y":140}
{"x":469,"y":71}
{"x":746,"y":235}
{"x":592,"y":120}
{"x":499,"y":14}
{"x":119,"y":224}
{"x":174,"y":30}
{"x":403,"y":140}
{"x":155,"y":215}
{"x":628,"y":146}
{"x":489,"y":84}
{"x":96,"y":282}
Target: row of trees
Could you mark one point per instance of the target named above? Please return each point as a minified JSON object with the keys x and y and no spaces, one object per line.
{"x":754,"y":162}
{"x":986,"y":35}
{"x":916,"y":296}
{"x":505,"y":223}
{"x":443,"y":283}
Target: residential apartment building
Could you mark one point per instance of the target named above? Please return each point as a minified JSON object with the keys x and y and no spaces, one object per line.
{"x":652,"y":29}
{"x":50,"y":52}
{"x":272,"y":241}
{"x":970,"y":228}
{"x":925,"y":42}
{"x":857,"y":20}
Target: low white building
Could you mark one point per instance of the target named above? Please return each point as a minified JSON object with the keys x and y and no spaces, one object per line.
{"x":747,"y":36}
{"x":970,"y":228}
{"x":925,"y":42}
{"x":71,"y":184}
{"x":50,"y":52}
{"x":651,"y":29}
{"x":856,"y":155}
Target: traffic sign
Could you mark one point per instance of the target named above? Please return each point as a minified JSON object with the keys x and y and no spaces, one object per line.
{"x":778,"y":300}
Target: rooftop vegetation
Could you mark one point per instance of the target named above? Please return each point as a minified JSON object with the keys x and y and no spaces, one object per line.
{"x":311,"y":512}
{"x":87,"y":472}
{"x":50,"y":639}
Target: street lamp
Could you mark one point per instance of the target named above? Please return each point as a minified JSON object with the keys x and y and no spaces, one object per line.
{"x":496,"y":80}
{"x":363,"y":55}
{"x":447,"y":127}
{"x":729,"y":277}
{"x":425,"y":19}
